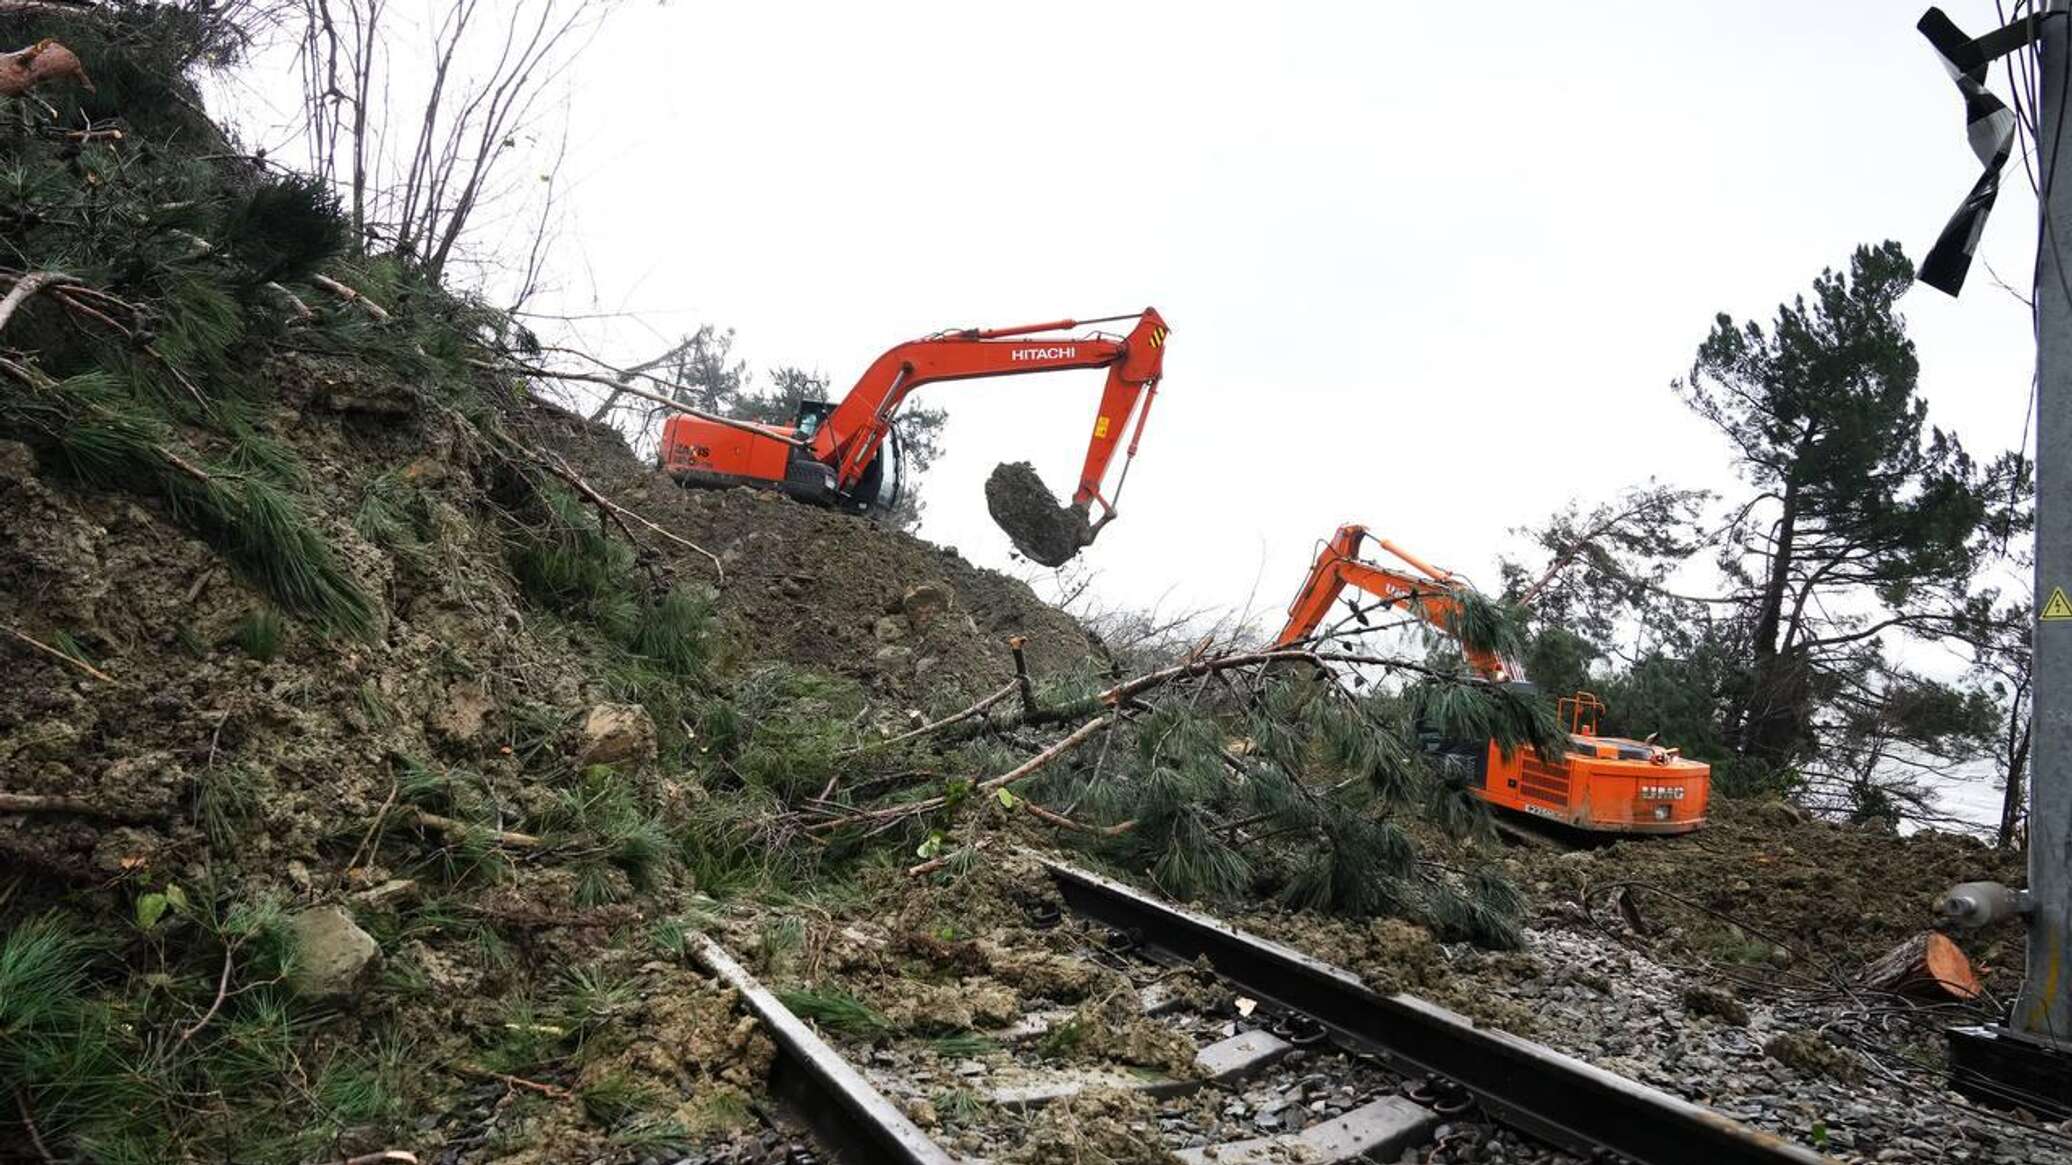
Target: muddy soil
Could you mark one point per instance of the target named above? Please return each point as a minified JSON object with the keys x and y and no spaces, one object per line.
{"x":183,"y":750}
{"x":814,"y":587}
{"x":1765,"y":886}
{"x":1022,"y":505}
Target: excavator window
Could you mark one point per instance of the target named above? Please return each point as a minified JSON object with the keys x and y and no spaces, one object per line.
{"x":811,"y":413}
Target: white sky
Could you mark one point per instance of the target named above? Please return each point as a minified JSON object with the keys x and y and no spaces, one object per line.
{"x":1427,"y":267}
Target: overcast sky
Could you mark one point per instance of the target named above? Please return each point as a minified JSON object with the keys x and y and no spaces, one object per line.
{"x":1430,"y":267}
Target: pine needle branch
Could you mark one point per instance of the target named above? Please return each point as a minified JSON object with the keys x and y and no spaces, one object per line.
{"x":47,"y":649}
{"x":26,"y":286}
{"x":955,"y":717}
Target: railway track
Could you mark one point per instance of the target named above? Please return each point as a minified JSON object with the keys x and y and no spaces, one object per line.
{"x":1294,"y":1060}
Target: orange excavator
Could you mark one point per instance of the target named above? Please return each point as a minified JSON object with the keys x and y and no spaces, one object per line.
{"x":1603,"y":784}
{"x":832,"y":454}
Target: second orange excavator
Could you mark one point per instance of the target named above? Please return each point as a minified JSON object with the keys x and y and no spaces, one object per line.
{"x":834,"y":454}
{"x":1602,"y":784}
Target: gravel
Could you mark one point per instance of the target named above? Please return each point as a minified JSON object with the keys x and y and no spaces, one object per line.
{"x":1603,"y":1003}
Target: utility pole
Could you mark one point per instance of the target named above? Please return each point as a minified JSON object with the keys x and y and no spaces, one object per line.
{"x":2044,"y":1007}
{"x":2028,"y":1061}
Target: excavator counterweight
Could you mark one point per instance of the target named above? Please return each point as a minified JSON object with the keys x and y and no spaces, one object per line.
{"x":1603,"y":784}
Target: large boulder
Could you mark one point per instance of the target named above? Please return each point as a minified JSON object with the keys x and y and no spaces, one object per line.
{"x":611,"y":733}
{"x":332,"y":954}
{"x":922,"y":602}
{"x":461,"y":716}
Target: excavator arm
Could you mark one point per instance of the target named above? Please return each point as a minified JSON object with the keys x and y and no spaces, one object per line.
{"x":851,"y":436}
{"x":1432,"y":595}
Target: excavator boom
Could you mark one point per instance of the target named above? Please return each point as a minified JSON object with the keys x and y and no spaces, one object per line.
{"x":1432,"y":595}
{"x":834,"y":455}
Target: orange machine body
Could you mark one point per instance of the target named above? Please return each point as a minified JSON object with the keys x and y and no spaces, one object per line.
{"x":1604,"y":784}
{"x":832,"y":454}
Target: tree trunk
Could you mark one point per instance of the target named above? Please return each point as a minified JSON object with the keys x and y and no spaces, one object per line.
{"x":2017,"y":771}
{"x":1768,"y":717}
{"x":1926,"y":966}
{"x":1772,"y":617}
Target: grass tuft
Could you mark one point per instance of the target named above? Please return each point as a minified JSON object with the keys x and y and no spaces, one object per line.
{"x":260,"y":633}
{"x":837,"y":1011}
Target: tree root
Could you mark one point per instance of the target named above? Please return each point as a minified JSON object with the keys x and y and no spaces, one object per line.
{"x":452,"y":828}
{"x":57,"y":803}
{"x":553,"y":1090}
{"x":53,"y":652}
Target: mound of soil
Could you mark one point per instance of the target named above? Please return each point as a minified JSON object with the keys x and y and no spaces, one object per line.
{"x":1765,"y":884}
{"x":1022,"y":505}
{"x":169,"y":729}
{"x":820,"y":588}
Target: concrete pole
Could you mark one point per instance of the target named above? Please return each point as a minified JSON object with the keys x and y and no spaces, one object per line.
{"x":2044,"y":1007}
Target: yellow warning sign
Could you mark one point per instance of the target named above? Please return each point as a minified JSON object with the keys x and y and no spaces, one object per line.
{"x":1101,"y":430}
{"x":2057,"y":606}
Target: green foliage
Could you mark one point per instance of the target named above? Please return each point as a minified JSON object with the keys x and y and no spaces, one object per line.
{"x":603,"y":813}
{"x":784,"y":729}
{"x":593,"y":995}
{"x":226,"y":801}
{"x":1483,"y":625}
{"x":104,"y":1045}
{"x":373,"y":705}
{"x":567,"y":562}
{"x":1558,"y":660}
{"x":389,"y":514}
{"x":959,"y":1106}
{"x":466,"y":855}
{"x":94,"y":429}
{"x":1484,"y":910}
{"x":286,"y":227}
{"x":1823,"y":402}
{"x":676,"y":632}
{"x":259,"y":634}
{"x":357,"y":1088}
{"x":1514,"y":716}
{"x":616,"y":1097}
{"x":962,"y":1046}
{"x":837,"y":1011}
{"x":1303,"y":793}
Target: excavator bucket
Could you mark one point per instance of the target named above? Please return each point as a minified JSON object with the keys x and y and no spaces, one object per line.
{"x":1042,"y":530}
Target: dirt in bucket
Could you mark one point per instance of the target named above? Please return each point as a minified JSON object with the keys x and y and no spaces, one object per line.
{"x":1022,"y":505}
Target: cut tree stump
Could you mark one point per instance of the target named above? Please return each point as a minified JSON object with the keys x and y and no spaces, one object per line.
{"x":1927,"y":965}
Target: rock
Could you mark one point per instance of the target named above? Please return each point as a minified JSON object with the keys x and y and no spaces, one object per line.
{"x":1810,"y":1054}
{"x":1715,"y":1002}
{"x":611,"y":733}
{"x":1782,"y":813}
{"x":388,"y":896}
{"x":1024,"y":507}
{"x":924,"y":601}
{"x":891,"y":628}
{"x":332,"y":953}
{"x":460,"y":717}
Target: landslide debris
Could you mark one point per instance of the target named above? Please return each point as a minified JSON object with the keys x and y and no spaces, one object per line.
{"x":818,"y":588}
{"x":362,"y":772}
{"x":1763,"y":888}
{"x":1024,"y":507}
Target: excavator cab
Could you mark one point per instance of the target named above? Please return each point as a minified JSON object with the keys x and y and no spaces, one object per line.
{"x":1581,"y":711}
{"x":811,"y":413}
